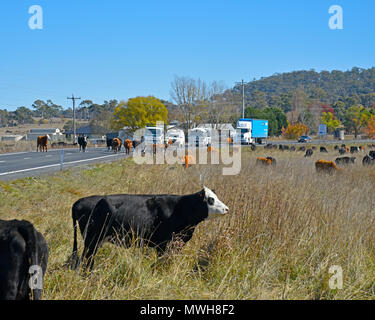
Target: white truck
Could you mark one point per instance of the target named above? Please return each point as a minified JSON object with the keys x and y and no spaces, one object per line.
{"x":176,"y":137}
{"x":154,"y":135}
{"x":199,"y":137}
{"x":244,"y":129}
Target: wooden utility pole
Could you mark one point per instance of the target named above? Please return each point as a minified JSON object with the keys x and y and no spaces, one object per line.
{"x":73,"y":98}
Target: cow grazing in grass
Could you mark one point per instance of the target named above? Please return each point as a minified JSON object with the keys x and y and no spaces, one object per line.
{"x":116,"y":144}
{"x":309,"y":153}
{"x":266,"y":161}
{"x":41,"y":143}
{"x":323,"y":149}
{"x":283,"y":147}
{"x":354,"y":149}
{"x":187,"y":161}
{"x":345,"y":160}
{"x":23,"y":261}
{"x":149,"y":220}
{"x":82,"y":141}
{"x":367,"y":160}
{"x":211,"y":149}
{"x":128,"y":144}
{"x":268,"y":146}
{"x":326,"y":166}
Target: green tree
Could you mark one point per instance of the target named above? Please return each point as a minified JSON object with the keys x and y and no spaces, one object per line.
{"x":139,"y":112}
{"x":331,"y":123}
{"x":275,"y":116}
{"x":356,"y":118}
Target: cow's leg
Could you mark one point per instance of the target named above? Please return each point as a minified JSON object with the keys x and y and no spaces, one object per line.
{"x":92,"y":244}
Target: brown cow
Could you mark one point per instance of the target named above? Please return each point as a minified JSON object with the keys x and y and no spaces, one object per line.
{"x":128,"y":144}
{"x":41,"y":143}
{"x":116,"y":144}
{"x":327,"y":166}
{"x":187,"y":160}
{"x":266,"y":161}
{"x":155,"y":147}
{"x":211,"y":149}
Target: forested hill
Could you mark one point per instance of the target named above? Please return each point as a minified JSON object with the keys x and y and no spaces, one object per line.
{"x":328,"y":87}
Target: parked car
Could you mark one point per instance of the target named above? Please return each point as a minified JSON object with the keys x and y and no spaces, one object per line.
{"x":304,"y":139}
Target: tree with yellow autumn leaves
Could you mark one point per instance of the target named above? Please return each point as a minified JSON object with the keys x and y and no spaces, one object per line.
{"x":138,"y":113}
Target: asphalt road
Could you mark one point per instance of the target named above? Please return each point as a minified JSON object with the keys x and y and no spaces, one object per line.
{"x":26,"y":164}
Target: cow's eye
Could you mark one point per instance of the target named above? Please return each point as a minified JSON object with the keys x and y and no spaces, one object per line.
{"x":211,"y":201}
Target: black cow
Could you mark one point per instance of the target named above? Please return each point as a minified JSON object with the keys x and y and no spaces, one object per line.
{"x":23,"y":261}
{"x":109,"y":143}
{"x":82,"y":141}
{"x":308,"y":153}
{"x":268,"y":146}
{"x":273,"y":161}
{"x":345,"y":160}
{"x":283,"y":147}
{"x":323,"y":149}
{"x":372,"y":154}
{"x":354,"y":149}
{"x":342,"y":151}
{"x":367,"y":160}
{"x":301,"y":149}
{"x":136,"y":143}
{"x":152,"y":219}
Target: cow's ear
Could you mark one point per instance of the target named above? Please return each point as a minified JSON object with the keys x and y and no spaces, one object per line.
{"x":202,"y":194}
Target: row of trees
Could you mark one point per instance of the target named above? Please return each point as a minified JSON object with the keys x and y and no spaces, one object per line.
{"x":338,"y":99}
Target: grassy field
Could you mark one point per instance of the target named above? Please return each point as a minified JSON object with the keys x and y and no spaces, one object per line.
{"x":287,"y":226}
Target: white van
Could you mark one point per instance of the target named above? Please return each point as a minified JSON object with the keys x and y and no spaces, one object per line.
{"x":154,"y":135}
{"x":199,"y":137}
{"x":176,"y":136}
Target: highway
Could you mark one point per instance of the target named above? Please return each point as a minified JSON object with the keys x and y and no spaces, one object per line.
{"x":32,"y":163}
{"x":26,"y":164}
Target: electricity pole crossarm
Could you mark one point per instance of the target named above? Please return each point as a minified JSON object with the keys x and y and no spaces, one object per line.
{"x":73,"y":98}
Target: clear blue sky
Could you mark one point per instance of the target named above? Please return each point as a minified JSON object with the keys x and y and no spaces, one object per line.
{"x":118,"y":49}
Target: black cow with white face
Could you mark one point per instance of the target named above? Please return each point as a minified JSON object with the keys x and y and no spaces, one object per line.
{"x":82,"y":141}
{"x":152,"y":219}
{"x":23,"y":255}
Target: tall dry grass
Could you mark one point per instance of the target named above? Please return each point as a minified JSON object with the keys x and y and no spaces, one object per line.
{"x":287,"y":226}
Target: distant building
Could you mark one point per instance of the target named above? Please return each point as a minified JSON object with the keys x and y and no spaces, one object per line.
{"x":90,"y":131}
{"x":220,"y":127}
{"x":12,"y":138}
{"x":53,"y":134}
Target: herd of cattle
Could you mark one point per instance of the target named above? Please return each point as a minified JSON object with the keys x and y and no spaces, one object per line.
{"x":324,"y":165}
{"x":154,"y":220}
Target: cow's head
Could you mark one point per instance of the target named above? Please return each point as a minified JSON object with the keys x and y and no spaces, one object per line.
{"x":215,"y":207}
